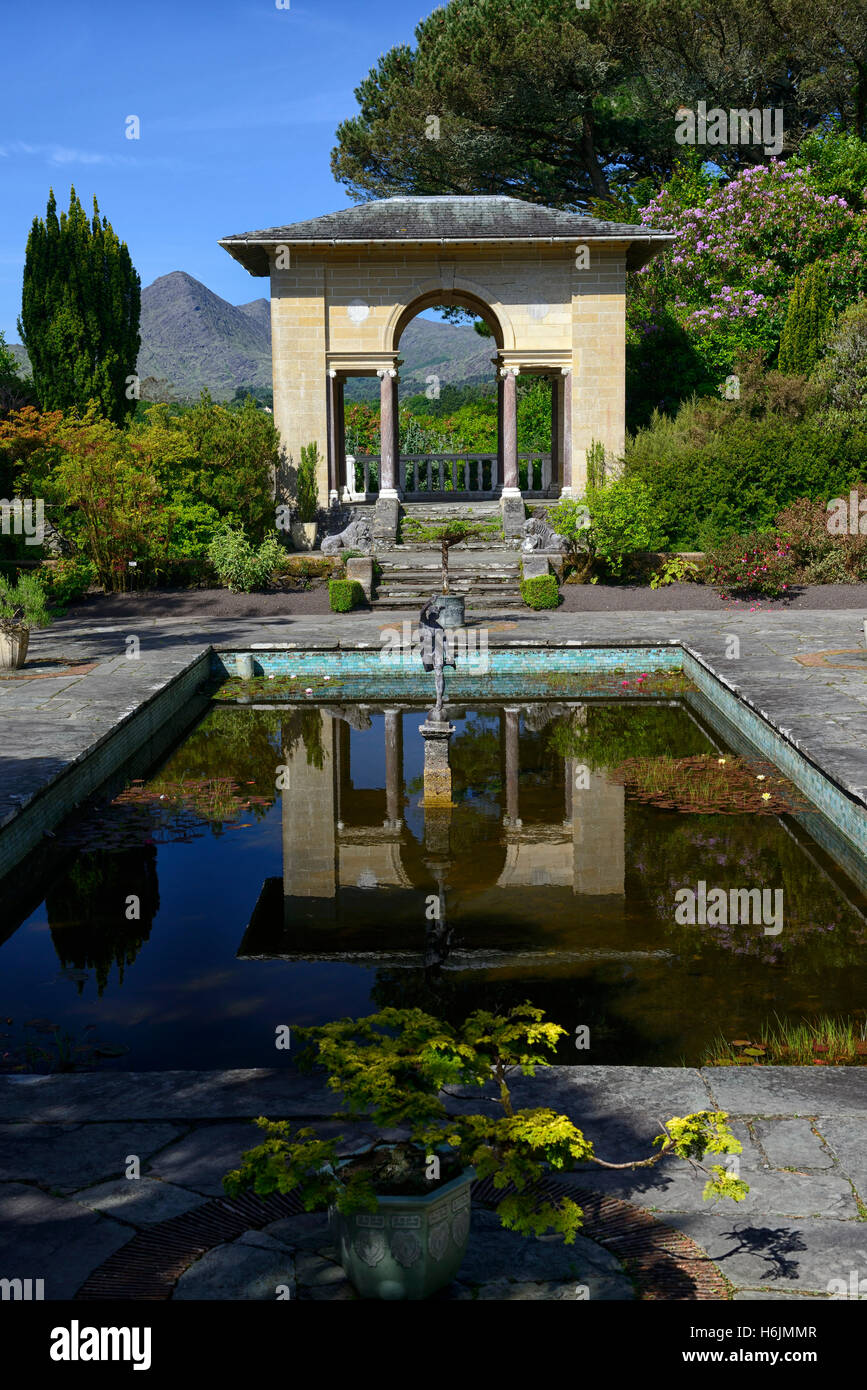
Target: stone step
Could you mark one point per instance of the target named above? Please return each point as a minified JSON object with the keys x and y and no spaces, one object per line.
{"x":491,"y":543}
{"x":413,"y":602}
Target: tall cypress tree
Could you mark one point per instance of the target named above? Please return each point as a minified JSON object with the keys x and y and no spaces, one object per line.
{"x":806,"y":323}
{"x":80,"y":311}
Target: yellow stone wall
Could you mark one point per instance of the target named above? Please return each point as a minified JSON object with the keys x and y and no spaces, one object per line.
{"x":345,"y":308}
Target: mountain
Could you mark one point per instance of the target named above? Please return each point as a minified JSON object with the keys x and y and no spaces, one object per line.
{"x":192,"y":339}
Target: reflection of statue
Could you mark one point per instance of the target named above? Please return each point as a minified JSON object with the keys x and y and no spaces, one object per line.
{"x":436,"y":650}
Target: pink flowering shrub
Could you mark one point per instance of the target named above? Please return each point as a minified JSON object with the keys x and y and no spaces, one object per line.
{"x":755,"y":564}
{"x":724,"y":283}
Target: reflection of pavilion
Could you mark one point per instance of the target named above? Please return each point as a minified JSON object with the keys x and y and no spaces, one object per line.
{"x":340,"y":841}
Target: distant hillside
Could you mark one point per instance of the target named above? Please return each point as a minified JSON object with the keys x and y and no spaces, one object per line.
{"x":193,"y":339}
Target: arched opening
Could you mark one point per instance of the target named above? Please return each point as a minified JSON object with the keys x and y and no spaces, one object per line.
{"x":459,"y":299}
{"x":455,"y":423}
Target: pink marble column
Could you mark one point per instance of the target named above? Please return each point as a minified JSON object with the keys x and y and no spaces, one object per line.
{"x":510,"y":432}
{"x":388,"y":432}
{"x":335,"y":390}
{"x":566,"y":474}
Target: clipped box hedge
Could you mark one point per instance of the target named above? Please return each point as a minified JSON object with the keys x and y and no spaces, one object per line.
{"x":344,"y":595}
{"x":540,"y":592}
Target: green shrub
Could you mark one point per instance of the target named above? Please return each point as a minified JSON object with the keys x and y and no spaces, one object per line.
{"x":241,"y":567}
{"x":23,"y":604}
{"x":715,"y":469}
{"x":66,"y":580}
{"x":540,"y":592}
{"x":306,"y":492}
{"x":344,"y":594}
{"x":624,"y":518}
{"x":820,"y":555}
{"x":806,"y":322}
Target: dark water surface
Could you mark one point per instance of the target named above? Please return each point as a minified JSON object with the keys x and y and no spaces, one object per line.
{"x":284,"y":872}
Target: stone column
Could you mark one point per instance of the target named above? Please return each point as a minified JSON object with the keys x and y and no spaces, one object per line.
{"x":342,"y":479}
{"x":500,"y":391}
{"x":566,"y":471}
{"x":335,"y":390}
{"x":510,"y":430}
{"x":437,"y":772}
{"x":393,"y":769}
{"x":556,"y":413}
{"x":512,"y":716}
{"x":388,"y":432}
{"x":511,"y":501}
{"x":386,"y":517}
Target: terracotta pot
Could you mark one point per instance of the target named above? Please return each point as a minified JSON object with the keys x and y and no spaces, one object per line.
{"x":13,"y":648}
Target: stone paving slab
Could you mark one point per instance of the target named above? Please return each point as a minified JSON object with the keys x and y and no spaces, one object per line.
{"x":201,"y":1159}
{"x":789,"y":1090}
{"x":778,"y":1254}
{"x":138,"y":1201}
{"x":44,"y":1237}
{"x":68,"y":1157}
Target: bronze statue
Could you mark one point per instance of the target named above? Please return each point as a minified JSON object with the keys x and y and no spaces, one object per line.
{"x":436,"y":650}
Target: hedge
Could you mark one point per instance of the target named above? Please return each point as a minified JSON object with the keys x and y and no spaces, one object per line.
{"x":739,"y":477}
{"x":540,"y":592}
{"x":344,"y":594}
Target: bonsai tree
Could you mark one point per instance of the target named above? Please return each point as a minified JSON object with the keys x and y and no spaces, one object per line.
{"x":306,"y":496}
{"x":446,"y":534}
{"x":393,"y":1067}
{"x":23,"y":605}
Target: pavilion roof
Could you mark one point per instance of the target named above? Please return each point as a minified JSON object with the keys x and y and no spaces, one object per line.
{"x":444,"y":220}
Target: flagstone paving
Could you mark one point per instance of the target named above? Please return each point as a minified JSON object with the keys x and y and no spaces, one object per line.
{"x":66,"y":1203}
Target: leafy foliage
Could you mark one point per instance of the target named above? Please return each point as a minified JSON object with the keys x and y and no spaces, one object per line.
{"x":306,"y":494}
{"x":806,"y":323}
{"x":241,"y":566}
{"x":23,"y":604}
{"x":344,"y":595}
{"x":391,"y":1068}
{"x":80,"y":311}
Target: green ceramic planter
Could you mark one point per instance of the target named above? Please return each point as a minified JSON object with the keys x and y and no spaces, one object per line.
{"x":410,"y":1246}
{"x":452,"y":610}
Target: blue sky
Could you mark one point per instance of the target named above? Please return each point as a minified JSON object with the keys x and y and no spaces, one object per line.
{"x":238,"y":104}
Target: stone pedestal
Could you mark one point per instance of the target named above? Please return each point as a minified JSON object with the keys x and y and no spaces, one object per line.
{"x":386,"y":519}
{"x":514,"y":514}
{"x":437,"y":772}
